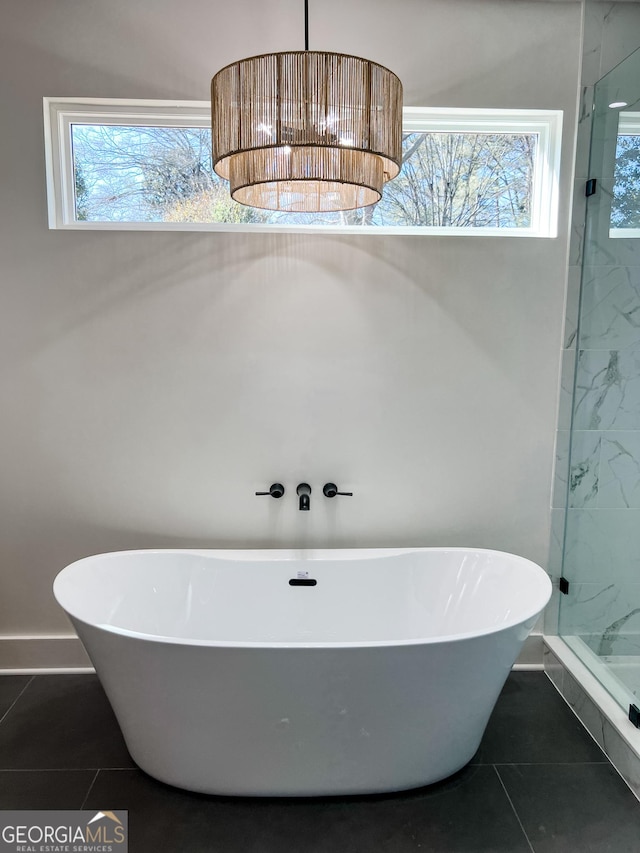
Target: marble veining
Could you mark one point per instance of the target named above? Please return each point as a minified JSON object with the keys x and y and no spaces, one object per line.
{"x":584,"y":708}
{"x":626,"y":645}
{"x":592,"y":43}
{"x":610,"y":313}
{"x":612,"y":632}
{"x":619,"y":252}
{"x":605,"y":616}
{"x":584,"y":476}
{"x":619,"y":470}
{"x":608,"y":389}
{"x":605,"y":469}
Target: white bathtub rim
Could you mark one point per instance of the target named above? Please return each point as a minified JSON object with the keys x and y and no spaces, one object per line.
{"x":347,"y":644}
{"x":293,"y":554}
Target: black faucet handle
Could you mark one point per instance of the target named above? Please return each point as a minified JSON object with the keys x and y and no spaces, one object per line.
{"x":276,"y":490}
{"x":330,"y":490}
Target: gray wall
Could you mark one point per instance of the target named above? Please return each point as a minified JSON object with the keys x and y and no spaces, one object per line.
{"x":152,"y":382}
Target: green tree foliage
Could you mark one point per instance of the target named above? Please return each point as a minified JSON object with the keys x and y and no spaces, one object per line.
{"x":173,"y":175}
{"x":625,"y":208}
{"x":82,"y":195}
{"x":212,"y":205}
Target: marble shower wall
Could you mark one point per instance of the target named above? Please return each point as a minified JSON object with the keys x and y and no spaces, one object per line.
{"x":598,"y":471}
{"x":602,"y":550}
{"x":598,"y":499}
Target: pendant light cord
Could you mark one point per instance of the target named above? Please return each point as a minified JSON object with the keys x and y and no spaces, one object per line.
{"x":306,"y":24}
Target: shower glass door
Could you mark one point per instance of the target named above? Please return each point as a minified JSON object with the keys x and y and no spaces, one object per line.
{"x":600,"y":614}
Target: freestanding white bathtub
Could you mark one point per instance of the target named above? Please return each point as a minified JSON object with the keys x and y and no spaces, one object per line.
{"x":284,"y":673}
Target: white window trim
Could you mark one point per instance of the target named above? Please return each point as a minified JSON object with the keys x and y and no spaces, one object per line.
{"x":628,"y":123}
{"x":61,"y":113}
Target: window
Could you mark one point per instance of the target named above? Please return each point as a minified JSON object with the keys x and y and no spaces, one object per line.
{"x":147,"y":165}
{"x":625,"y":204}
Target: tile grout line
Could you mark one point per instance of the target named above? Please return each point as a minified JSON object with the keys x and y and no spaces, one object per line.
{"x":514,"y":809}
{"x":58,"y":769}
{"x":86,"y":796}
{"x":16,"y":699}
{"x":537,"y":763}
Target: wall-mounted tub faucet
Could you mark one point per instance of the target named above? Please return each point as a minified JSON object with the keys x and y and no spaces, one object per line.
{"x":330,"y":490}
{"x":276,"y":490}
{"x":304,"y":490}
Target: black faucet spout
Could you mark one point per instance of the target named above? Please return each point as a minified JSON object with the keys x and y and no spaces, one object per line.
{"x":304,"y":491}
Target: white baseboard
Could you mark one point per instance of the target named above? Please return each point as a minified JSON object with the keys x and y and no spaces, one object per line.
{"x":33,"y":655}
{"x":532,"y":654}
{"x":36,"y":655}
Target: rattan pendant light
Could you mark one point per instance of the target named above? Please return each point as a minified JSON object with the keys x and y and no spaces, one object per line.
{"x":306,"y":131}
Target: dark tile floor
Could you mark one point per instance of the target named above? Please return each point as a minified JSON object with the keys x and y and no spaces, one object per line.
{"x":538,"y":783}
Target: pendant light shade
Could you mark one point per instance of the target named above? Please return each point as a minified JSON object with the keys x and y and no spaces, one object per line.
{"x":306,"y":131}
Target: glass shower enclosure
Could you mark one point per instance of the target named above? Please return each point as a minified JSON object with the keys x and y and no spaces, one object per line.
{"x":600,"y":610}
